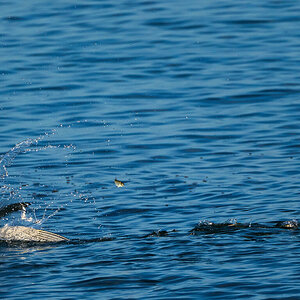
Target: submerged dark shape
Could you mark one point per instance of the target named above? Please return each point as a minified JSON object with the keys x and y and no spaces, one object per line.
{"x":233,"y":225}
{"x":159,"y":233}
{"x":293,"y":224}
{"x":29,"y":234}
{"x":210,"y":227}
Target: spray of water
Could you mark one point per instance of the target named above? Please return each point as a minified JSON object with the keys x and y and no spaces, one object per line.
{"x":14,"y":191}
{"x":10,"y":193}
{"x":21,"y":147}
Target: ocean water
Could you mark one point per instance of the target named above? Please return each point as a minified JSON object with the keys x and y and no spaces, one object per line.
{"x":194,"y":105}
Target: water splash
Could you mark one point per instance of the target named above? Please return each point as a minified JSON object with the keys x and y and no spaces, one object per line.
{"x":24,"y":216}
{"x":10,"y":192}
{"x":13,"y":189}
{"x":8,"y":158}
{"x":21,"y":147}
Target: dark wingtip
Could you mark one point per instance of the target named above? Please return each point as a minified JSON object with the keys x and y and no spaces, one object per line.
{"x":13,"y":207}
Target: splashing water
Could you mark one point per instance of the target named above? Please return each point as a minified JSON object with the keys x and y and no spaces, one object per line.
{"x":40,"y":181}
{"x":21,"y":147}
{"x":11,"y":192}
{"x":25,"y":145}
{"x":8,"y":158}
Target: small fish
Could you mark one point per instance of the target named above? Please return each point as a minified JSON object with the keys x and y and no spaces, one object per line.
{"x":119,"y":183}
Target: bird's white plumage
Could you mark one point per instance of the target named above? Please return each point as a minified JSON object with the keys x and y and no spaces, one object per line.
{"x":28,"y":234}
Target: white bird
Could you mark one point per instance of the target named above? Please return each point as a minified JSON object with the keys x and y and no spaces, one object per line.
{"x":23,"y":233}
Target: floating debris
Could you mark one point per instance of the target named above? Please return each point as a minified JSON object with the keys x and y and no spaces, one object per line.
{"x":119,"y":183}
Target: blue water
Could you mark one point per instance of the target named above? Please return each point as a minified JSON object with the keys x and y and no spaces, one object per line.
{"x":194,"y":105}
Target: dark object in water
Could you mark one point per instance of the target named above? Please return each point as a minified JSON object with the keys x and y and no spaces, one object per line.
{"x":12,"y":208}
{"x":159,"y":233}
{"x":233,"y":225}
{"x":293,"y":224}
{"x":29,"y":234}
{"x":210,"y":227}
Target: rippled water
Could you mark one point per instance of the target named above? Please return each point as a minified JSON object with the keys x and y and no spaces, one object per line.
{"x":194,"y":105}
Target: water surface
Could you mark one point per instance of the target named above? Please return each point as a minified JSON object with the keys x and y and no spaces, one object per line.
{"x":193,"y":105}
